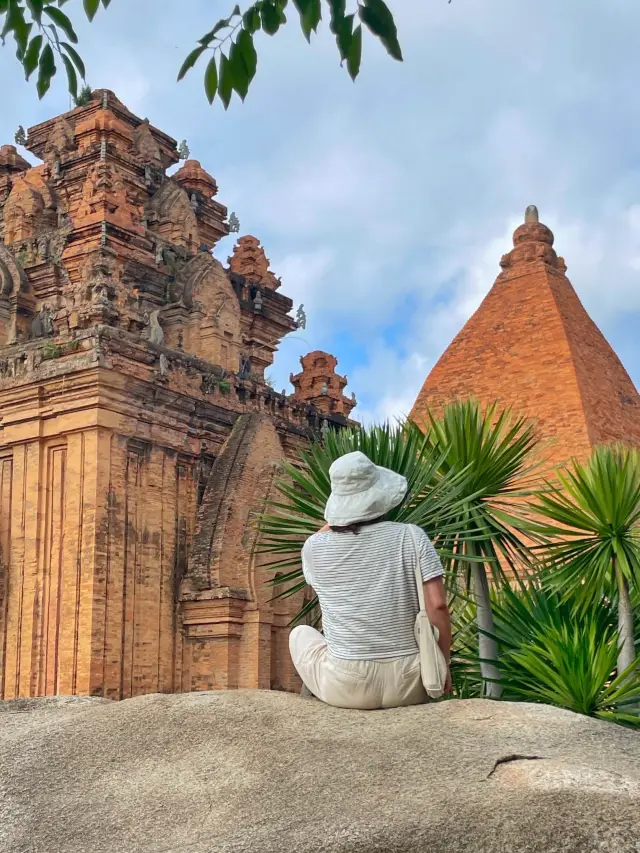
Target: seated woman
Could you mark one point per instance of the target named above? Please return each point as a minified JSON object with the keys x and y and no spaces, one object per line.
{"x":362,"y":569}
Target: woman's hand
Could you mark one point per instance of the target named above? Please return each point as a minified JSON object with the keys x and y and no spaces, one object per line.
{"x":448,"y":687}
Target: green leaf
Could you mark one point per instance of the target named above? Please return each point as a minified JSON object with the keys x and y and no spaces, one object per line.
{"x":91,"y":7}
{"x":344,"y":36}
{"x":46,"y":70}
{"x":211,"y":79}
{"x":310,"y":15}
{"x":225,"y":83}
{"x":338,"y":11}
{"x":15,"y":23}
{"x":244,"y":62}
{"x":376,"y":16}
{"x":54,"y":33}
{"x":106,"y":3}
{"x":271,"y":17}
{"x":206,"y":40}
{"x":72,"y":77}
{"x":32,"y":55}
{"x":60,"y":19}
{"x":190,"y":61}
{"x":35,"y":7}
{"x":75,"y":58}
{"x":355,"y":53}
{"x":251,"y":19}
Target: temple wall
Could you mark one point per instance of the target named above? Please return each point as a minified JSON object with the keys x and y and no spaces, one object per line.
{"x":95,"y":533}
{"x":48,"y":524}
{"x":143,"y":539}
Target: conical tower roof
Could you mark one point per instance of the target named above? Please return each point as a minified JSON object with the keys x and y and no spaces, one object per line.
{"x":531,"y":345}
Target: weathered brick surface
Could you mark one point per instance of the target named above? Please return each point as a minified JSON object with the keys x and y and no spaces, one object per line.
{"x":138,"y":438}
{"x":532,"y":346}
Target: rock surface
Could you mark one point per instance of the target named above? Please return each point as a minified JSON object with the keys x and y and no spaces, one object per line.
{"x":265,"y":772}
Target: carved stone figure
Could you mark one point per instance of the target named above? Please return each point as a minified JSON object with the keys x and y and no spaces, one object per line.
{"x":183,"y":150}
{"x":42,"y":323}
{"x":245,"y":365}
{"x":257,"y":303}
{"x":156,"y":335}
{"x":43,"y":249}
{"x":101,"y":295}
{"x":301,"y":318}
{"x":164,"y":365}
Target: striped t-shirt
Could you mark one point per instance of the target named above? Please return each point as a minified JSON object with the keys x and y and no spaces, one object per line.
{"x":365,"y":583}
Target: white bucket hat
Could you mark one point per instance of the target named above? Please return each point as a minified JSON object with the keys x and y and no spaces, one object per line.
{"x":361,"y":491}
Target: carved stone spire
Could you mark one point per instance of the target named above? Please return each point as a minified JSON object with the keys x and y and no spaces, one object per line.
{"x":320,"y":385}
{"x":249,"y":259}
{"x":196,"y":179}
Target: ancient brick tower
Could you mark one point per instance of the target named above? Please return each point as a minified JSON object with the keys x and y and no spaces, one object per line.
{"x":138,"y":437}
{"x":320,"y":385}
{"x":531,"y":345}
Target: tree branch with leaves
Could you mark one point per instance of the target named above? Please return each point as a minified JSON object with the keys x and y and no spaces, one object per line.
{"x":44,"y":35}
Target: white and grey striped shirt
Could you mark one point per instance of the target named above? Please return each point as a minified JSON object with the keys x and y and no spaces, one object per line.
{"x":366,"y":586}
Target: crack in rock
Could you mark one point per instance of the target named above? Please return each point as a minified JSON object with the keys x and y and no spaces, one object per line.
{"x":507,"y":759}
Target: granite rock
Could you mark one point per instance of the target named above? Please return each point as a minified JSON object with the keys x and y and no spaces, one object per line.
{"x":267,"y":771}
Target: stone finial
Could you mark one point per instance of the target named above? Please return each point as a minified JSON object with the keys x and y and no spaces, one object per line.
{"x":319,"y":385}
{"x":532,"y":243}
{"x":194,"y":178}
{"x":249,"y":259}
{"x":531,"y":214}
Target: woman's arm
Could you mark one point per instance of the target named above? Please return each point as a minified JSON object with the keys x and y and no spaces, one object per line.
{"x":435,"y":599}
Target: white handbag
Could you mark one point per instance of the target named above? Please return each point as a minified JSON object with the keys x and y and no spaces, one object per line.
{"x":433,"y":666}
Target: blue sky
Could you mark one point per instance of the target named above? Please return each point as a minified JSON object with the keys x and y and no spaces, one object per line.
{"x":385,"y":205}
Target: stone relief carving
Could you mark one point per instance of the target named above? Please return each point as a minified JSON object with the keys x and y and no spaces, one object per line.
{"x":42,"y":323}
{"x":155,"y":334}
{"x":12,"y":277}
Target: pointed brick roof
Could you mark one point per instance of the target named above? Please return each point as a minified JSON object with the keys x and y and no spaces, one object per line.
{"x":531,"y":345}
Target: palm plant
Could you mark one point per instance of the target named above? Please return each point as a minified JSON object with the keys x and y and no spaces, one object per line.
{"x":591,"y":521}
{"x":552,"y":651}
{"x":495,"y":450}
{"x":432,"y":500}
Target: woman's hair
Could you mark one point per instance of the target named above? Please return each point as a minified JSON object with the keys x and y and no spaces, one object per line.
{"x":355,"y":528}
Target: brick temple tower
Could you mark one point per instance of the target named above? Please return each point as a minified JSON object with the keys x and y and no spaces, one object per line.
{"x":320,"y":385}
{"x":138,"y":438}
{"x":531,"y":345}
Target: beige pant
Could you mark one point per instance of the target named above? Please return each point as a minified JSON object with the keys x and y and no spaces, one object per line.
{"x":362,"y":684}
